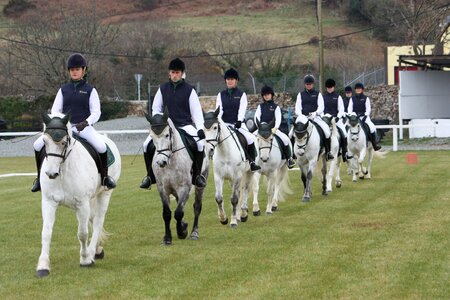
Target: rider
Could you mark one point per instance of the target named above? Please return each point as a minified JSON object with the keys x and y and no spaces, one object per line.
{"x":310,"y":103}
{"x":334,"y":105}
{"x":233,"y":104}
{"x":185,"y":110}
{"x":348,"y":95}
{"x":360,"y":104}
{"x":269,"y":110}
{"x":80,"y":99}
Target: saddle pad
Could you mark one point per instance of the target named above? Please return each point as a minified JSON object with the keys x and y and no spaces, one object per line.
{"x":94,"y":154}
{"x":280,"y":146}
{"x":242,"y":140}
{"x":188,"y":142}
{"x":321,"y":134}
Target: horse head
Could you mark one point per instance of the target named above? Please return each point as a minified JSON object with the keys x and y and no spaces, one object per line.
{"x":161,"y":133}
{"x":301,"y":129}
{"x":355,"y":126}
{"x":57,"y":134}
{"x":265,"y":137}
{"x":212,"y":130}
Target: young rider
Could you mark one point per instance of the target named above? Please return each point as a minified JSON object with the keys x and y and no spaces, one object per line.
{"x":80,"y":99}
{"x":334,"y":105}
{"x":269,"y":110}
{"x":185,"y":111}
{"x":310,"y":103}
{"x":233,"y":105}
{"x":360,"y":104}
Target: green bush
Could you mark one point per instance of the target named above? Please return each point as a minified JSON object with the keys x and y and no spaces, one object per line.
{"x":17,"y":7}
{"x":12,"y":108}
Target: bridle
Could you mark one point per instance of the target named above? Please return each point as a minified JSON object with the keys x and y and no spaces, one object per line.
{"x":64,"y":153}
{"x":170,"y":147}
{"x":302,"y":133}
{"x":266,"y":147}
{"x":352,"y":133}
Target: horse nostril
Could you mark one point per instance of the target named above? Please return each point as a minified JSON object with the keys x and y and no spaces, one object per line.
{"x":53,"y":176}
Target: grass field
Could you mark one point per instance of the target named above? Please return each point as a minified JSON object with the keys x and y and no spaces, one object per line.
{"x":385,"y":238}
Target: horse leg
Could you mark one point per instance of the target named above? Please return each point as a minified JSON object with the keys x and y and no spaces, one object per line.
{"x":48,"y":217}
{"x":362,"y":156}
{"x":83,"y":214}
{"x":197,"y":211}
{"x":234,"y":201}
{"x":304,"y":171}
{"x":369,"y":164}
{"x":98,"y":234}
{"x":308,"y":192}
{"x":246,"y":182}
{"x":256,"y":178}
{"x":219,"y":199}
{"x":167,"y":215}
{"x":338,"y":173}
{"x":324,"y":176}
{"x":270,"y":192}
{"x":182,"y":226}
{"x":330,"y":174}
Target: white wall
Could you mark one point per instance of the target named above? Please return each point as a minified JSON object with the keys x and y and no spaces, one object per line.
{"x":424,"y":95}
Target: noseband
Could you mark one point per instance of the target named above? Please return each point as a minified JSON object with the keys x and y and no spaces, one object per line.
{"x":64,"y":154}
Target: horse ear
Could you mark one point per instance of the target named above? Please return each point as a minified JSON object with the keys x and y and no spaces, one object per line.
{"x":217,"y":111}
{"x":45,"y":117}
{"x":272,"y":123}
{"x":258,"y":123}
{"x":166,"y":114}
{"x":148,"y":117}
{"x":66,"y":118}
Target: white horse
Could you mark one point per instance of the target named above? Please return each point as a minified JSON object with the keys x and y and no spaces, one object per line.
{"x":172,"y":168}
{"x":358,"y":147}
{"x":273,"y":167}
{"x":309,"y":151}
{"x":229,"y":164}
{"x":69,"y":177}
{"x":334,"y":169}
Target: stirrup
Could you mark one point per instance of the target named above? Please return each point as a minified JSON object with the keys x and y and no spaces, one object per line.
{"x":254,"y":167}
{"x":200,"y":181}
{"x":376,"y":147}
{"x":330,"y":156}
{"x":36,"y":186}
{"x":146,"y":183}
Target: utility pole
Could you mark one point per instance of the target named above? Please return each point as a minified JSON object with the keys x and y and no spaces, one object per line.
{"x":319,"y":25}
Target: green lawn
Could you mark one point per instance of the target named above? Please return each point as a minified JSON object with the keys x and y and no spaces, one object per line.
{"x":385,"y":238}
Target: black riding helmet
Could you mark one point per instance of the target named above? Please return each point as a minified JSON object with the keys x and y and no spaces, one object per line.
{"x":267,"y":90}
{"x":231,"y":73}
{"x":348,"y":89}
{"x":359,"y":85}
{"x":309,"y":79}
{"x":177,"y":65}
{"x":76,"y":60}
{"x":330,"y":83}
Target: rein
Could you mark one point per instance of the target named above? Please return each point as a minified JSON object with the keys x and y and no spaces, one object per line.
{"x":170,"y":149}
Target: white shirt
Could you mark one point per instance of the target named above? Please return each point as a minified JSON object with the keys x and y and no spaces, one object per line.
{"x":194,"y":106}
{"x":94,"y":106}
{"x":242,"y":106}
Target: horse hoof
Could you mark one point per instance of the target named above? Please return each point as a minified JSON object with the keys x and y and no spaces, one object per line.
{"x":305,"y":199}
{"x":225,"y":222}
{"x":88,"y":265}
{"x":257,"y":213}
{"x":274,"y":208}
{"x":361,"y":177}
{"x":338,"y":184}
{"x":269,"y":213}
{"x":166,"y":242}
{"x":42,"y":273}
{"x":244,"y":219}
{"x":324,"y":193}
{"x":233,"y":226}
{"x":100,"y":255}
{"x":194,"y":236}
{"x":182,"y":231}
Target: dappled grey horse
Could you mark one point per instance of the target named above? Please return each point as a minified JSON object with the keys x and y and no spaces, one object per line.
{"x":172,"y":168}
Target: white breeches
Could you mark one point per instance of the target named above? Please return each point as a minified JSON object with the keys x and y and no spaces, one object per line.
{"x":371,"y":125}
{"x":89,"y":134}
{"x":283,"y":137}
{"x":323,"y":125}
{"x":244,"y":130}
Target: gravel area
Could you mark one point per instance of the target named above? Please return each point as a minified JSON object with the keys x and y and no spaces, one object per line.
{"x":131,"y":144}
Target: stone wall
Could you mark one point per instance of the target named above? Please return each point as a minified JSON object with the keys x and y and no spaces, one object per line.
{"x":384,"y":101}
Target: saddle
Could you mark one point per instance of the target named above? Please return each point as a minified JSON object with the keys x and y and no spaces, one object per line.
{"x":321,"y":134}
{"x":94,"y":154}
{"x":242,"y":140}
{"x":366,"y":129}
{"x":188,"y":142}
{"x":280,"y":146}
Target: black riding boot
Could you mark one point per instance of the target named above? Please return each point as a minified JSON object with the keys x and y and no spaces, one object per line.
{"x":148,"y":158}
{"x":327,"y":149}
{"x":373,"y":139}
{"x":37,"y":184}
{"x":251,"y":150}
{"x":197,"y":178}
{"x":288,"y":153}
{"x":106,"y":180}
{"x":344,"y":149}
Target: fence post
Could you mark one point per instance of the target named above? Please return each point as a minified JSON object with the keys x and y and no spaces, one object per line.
{"x":395,"y":139}
{"x":253,"y":81}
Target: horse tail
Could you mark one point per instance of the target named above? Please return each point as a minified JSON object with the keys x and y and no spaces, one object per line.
{"x":379,"y":154}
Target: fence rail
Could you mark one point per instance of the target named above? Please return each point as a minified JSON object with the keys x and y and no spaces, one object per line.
{"x":395,"y":129}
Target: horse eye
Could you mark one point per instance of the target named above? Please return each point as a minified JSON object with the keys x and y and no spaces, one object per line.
{"x":215,"y":127}
{"x":167,"y":135}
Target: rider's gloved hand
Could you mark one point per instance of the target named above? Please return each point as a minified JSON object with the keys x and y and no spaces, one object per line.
{"x":312,"y":115}
{"x":80,"y":126}
{"x":238,"y":124}
{"x":274,"y":130}
{"x":336,"y":119}
{"x":201,"y":134}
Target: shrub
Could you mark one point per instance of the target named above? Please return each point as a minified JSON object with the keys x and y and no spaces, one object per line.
{"x":16,"y":7}
{"x":113,"y":110}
